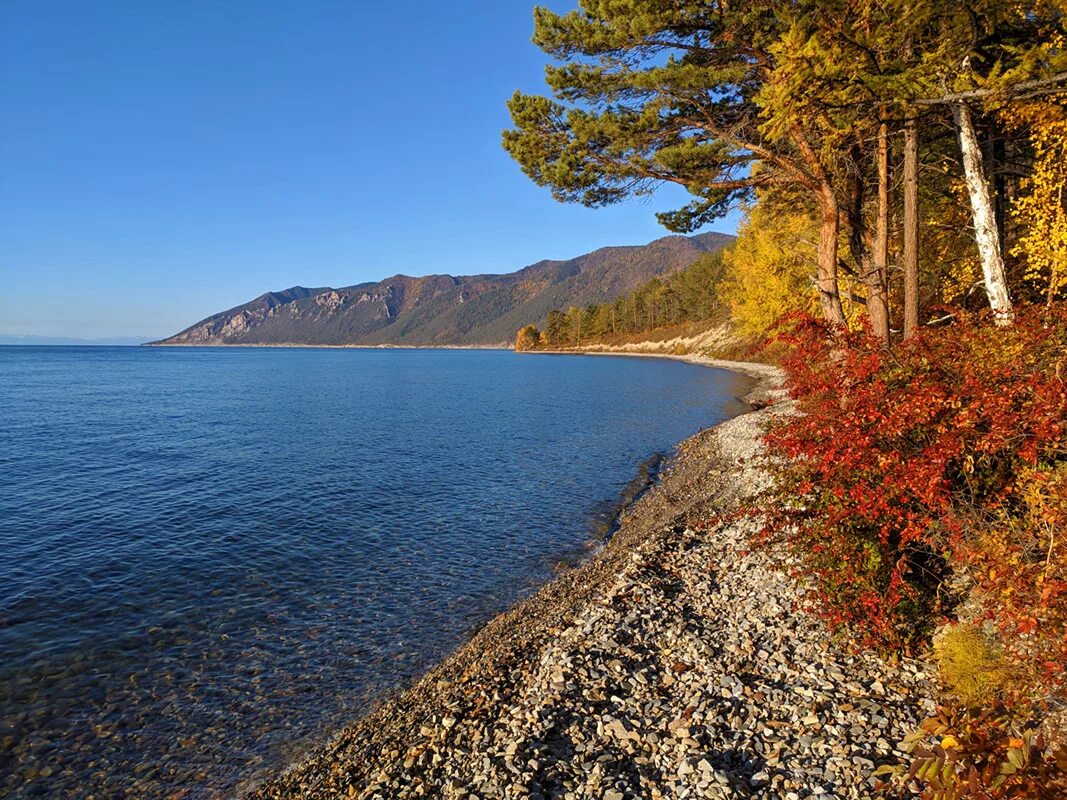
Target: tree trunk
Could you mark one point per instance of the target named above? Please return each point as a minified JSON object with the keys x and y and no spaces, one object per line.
{"x":1000,"y":200}
{"x":865,"y":249}
{"x":911,"y":228}
{"x":985,"y":223}
{"x":826,"y":275}
{"x":877,"y":279}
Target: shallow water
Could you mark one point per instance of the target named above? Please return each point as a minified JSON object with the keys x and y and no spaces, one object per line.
{"x":209,"y":558}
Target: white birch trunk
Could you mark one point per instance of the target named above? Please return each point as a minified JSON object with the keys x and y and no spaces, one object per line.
{"x":985,"y":223}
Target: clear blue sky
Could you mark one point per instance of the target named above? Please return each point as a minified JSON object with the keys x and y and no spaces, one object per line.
{"x":163,"y":161}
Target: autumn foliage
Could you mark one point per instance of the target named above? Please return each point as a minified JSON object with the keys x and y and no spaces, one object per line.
{"x":944,"y":457}
{"x":1042,"y":209}
{"x":974,"y":753}
{"x":528,"y":338}
{"x":928,"y":484}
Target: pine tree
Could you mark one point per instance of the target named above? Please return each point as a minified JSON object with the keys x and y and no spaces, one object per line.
{"x":648,"y":93}
{"x":556,"y":328}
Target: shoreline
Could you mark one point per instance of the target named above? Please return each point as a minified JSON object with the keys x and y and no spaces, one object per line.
{"x":768,"y":377}
{"x":522,"y":709}
{"x":291,"y":346}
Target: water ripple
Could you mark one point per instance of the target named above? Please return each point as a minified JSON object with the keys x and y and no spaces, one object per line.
{"x":209,"y":558}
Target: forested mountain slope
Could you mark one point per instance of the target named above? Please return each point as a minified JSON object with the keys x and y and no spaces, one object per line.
{"x":442,"y":309}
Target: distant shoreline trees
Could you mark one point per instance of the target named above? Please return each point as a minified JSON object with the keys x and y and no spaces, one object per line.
{"x":528,"y":338}
{"x":690,"y":295}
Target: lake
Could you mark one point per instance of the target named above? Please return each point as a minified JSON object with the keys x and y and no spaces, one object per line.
{"x":210,"y":558}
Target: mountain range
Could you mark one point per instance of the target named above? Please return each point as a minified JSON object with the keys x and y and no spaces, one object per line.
{"x":442,"y":310}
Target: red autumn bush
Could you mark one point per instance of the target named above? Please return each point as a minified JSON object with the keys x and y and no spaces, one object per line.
{"x":946,"y":455}
{"x":934,"y":474}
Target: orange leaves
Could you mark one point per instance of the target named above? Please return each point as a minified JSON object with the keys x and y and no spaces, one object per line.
{"x":963,"y":753}
{"x":1026,"y":625}
{"x":1053,"y":589}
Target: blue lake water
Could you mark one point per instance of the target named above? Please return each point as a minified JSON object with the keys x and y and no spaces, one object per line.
{"x":209,"y":558}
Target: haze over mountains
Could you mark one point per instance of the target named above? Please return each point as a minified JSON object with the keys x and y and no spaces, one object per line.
{"x":71,"y":341}
{"x":441,"y":309}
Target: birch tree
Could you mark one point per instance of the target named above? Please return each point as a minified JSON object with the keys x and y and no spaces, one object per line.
{"x":990,"y":54}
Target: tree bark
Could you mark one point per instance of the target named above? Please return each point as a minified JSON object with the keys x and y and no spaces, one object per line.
{"x":877,"y":279}
{"x":985,"y":223}
{"x":870,"y":252}
{"x":911,"y":228}
{"x":826,"y":275}
{"x":1000,"y":185}
{"x":826,"y":282}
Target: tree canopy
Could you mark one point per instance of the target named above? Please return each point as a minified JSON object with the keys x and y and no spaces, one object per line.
{"x":738,"y":100}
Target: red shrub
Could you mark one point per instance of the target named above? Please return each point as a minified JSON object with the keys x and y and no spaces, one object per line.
{"x":907,"y":464}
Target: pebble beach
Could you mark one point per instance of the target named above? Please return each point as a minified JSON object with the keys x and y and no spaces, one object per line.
{"x":677,"y":662}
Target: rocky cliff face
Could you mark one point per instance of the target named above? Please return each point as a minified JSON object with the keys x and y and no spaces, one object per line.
{"x":441,"y":309}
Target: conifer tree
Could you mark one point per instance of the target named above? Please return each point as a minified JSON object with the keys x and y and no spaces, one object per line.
{"x":654,"y":92}
{"x":556,"y":328}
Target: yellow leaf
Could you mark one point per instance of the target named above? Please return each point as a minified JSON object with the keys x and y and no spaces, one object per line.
{"x":1015,"y":756}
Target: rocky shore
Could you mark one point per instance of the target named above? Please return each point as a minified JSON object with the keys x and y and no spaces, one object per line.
{"x":676,"y":663}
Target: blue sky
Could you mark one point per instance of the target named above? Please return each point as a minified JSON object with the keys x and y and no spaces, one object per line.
{"x":163,"y":161}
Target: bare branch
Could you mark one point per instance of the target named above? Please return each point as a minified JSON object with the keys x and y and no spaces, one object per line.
{"x":1050,"y":83}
